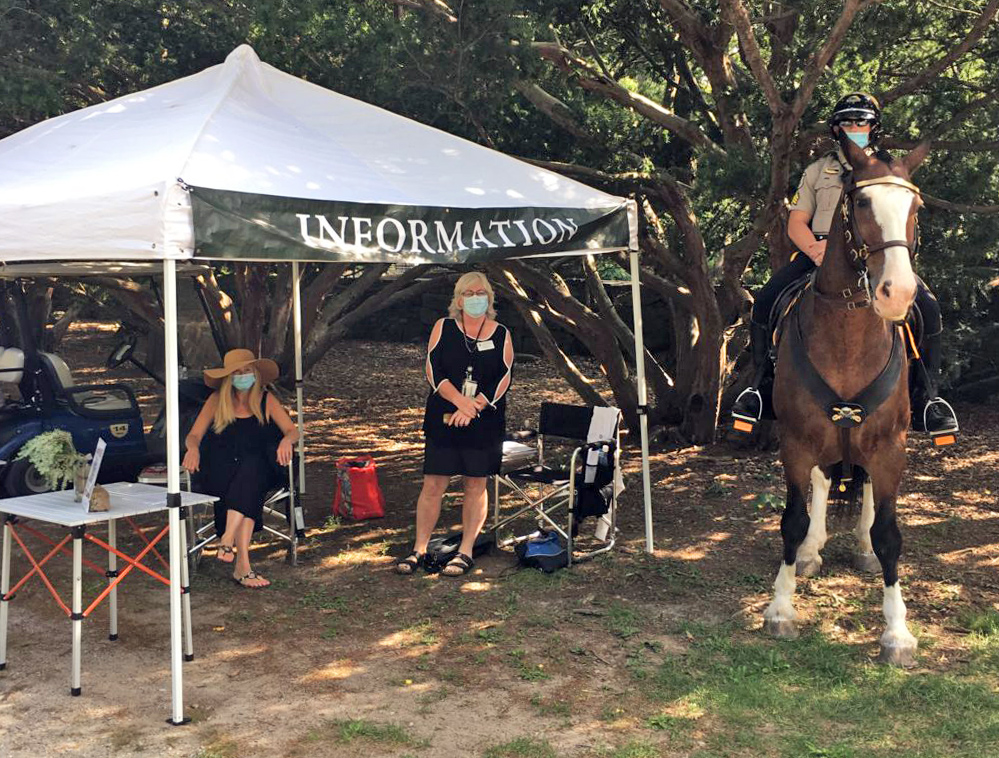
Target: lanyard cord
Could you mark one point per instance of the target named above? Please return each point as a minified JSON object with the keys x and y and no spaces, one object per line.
{"x":464,"y":336}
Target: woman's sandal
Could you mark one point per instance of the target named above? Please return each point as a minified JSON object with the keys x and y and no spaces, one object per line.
{"x":225,"y":554}
{"x":241,"y":581}
{"x":410,"y":563}
{"x":461,"y":562}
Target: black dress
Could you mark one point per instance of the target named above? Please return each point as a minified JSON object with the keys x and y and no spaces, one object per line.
{"x":477,"y":449}
{"x":238,"y":467}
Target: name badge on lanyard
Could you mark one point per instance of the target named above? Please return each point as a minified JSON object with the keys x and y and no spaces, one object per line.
{"x":469,"y":388}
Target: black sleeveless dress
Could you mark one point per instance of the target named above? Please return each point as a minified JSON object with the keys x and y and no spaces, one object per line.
{"x":238,"y":467}
{"x":476,"y":449}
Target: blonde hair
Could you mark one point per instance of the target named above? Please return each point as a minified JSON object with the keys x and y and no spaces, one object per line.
{"x":463,"y":283}
{"x":225,"y":411}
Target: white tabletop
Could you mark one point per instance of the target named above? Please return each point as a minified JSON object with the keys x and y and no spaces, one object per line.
{"x":127,"y":499}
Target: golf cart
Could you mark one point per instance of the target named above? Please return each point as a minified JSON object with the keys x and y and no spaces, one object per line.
{"x":38,"y":393}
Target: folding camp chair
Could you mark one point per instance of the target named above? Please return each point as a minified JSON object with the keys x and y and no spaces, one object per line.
{"x":588,"y":483}
{"x":283,"y":517}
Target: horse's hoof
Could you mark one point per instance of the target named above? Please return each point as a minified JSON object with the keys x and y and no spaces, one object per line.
{"x":902,"y":655}
{"x":867,"y":562}
{"x":808,"y":566}
{"x":781,"y":628}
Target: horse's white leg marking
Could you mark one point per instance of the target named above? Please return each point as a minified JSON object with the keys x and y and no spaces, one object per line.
{"x":808,"y":560}
{"x":865,"y":559}
{"x":779,"y":617}
{"x":898,"y":646}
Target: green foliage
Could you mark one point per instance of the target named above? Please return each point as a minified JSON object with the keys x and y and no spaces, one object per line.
{"x":54,"y":457}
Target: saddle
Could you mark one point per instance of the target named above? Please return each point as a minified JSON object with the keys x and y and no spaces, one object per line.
{"x":783,"y":305}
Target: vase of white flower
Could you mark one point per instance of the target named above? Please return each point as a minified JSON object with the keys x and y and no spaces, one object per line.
{"x":55,"y":458}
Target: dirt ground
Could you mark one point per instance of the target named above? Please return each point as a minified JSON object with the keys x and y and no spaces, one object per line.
{"x":341,"y":657}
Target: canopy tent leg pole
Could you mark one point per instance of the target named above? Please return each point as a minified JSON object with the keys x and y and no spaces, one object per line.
{"x":643,"y":395}
{"x":296,"y":307}
{"x":173,"y":489}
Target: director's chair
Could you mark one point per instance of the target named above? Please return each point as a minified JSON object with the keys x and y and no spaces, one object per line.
{"x":558,"y":497}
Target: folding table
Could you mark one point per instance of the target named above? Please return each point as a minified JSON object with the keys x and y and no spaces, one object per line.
{"x":127,"y":501}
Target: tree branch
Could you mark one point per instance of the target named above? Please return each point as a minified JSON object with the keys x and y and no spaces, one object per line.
{"x":984,"y":210}
{"x":562,"y":362}
{"x":977,"y":30}
{"x":956,"y":146}
{"x":738,"y":16}
{"x":592,"y":80}
{"x":437,"y":7}
{"x":556,"y":110}
{"x":821,"y":59}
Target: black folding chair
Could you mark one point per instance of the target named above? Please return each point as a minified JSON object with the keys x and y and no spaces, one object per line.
{"x":559,"y":496}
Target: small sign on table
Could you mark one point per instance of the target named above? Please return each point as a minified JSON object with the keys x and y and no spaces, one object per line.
{"x":95,"y":467}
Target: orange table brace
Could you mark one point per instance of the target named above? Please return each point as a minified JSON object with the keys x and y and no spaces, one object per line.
{"x":61,"y":547}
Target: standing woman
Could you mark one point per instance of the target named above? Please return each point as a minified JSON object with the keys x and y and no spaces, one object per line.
{"x":469,"y":367}
{"x":238,"y":453}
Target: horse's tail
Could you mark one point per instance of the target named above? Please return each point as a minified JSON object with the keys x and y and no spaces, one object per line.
{"x":844,"y":492}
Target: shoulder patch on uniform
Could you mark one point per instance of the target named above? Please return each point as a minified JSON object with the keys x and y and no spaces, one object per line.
{"x":794,"y":200}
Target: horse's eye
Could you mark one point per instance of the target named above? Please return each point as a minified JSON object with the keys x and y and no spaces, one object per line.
{"x":863,"y":203}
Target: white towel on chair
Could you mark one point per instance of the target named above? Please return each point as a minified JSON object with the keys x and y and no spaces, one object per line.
{"x":603,"y":424}
{"x":603,"y":427}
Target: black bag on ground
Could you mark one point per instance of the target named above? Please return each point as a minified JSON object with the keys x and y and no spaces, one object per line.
{"x":440,"y":550}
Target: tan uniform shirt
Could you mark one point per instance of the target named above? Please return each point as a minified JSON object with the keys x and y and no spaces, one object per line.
{"x":819,"y":190}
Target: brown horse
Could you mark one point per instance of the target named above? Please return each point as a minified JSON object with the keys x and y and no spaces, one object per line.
{"x":840,"y":389}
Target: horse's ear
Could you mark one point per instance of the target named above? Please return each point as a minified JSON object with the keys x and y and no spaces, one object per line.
{"x":856,"y":156}
{"x":916,"y":156}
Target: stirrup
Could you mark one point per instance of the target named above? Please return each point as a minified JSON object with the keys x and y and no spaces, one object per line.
{"x":946,"y":436}
{"x":743,"y":422}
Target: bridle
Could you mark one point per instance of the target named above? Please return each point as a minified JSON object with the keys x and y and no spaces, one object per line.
{"x":859,"y":250}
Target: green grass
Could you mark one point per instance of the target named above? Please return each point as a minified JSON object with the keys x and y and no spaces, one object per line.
{"x":353,"y":730}
{"x":321,"y":600}
{"x":632,"y":750}
{"x":820,"y":699}
{"x":524,"y":747}
{"x":622,"y":622}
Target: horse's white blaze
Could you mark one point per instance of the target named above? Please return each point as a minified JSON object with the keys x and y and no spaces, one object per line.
{"x":896,"y":632}
{"x":866,"y":520}
{"x":891,"y":205}
{"x":815,"y":540}
{"x":781,"y":608}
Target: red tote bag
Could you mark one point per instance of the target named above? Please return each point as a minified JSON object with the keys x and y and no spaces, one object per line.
{"x":357,"y":495}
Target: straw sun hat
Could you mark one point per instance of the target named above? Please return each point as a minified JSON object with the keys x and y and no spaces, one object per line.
{"x":239,"y":359}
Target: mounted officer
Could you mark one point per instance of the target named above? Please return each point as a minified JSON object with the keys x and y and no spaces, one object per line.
{"x":812,"y":208}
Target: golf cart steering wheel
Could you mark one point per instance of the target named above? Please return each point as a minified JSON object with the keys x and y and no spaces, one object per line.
{"x":121,"y":353}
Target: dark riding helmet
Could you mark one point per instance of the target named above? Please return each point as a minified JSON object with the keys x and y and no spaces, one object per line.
{"x":856,"y":106}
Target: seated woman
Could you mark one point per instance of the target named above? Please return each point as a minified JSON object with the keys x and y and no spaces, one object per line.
{"x":238,"y":468}
{"x":469,"y":367}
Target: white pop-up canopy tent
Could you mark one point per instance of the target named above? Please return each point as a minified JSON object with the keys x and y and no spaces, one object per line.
{"x":245,"y":162}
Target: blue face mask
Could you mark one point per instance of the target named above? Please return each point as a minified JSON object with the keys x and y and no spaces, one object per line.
{"x":243,"y":381}
{"x":861,"y":139}
{"x":475,"y":305}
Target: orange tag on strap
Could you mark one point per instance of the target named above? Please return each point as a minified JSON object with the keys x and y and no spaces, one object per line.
{"x":742,"y":426}
{"x":944,"y":439}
